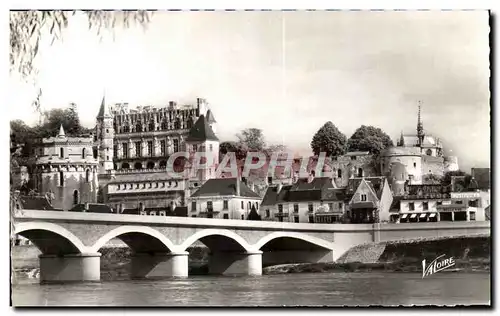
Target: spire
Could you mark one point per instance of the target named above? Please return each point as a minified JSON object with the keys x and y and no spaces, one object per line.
{"x":401,"y":140}
{"x":61,"y":132}
{"x":420,"y":125}
{"x":103,"y":110}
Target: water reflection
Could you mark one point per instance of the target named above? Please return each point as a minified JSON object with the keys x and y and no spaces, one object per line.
{"x":330,"y":289}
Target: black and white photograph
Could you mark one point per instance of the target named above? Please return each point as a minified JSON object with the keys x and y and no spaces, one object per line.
{"x":250,"y":158}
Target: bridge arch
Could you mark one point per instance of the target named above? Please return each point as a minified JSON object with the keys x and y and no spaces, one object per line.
{"x":314,"y":241}
{"x":138,"y":238}
{"x":50,"y":238}
{"x":217,"y":240}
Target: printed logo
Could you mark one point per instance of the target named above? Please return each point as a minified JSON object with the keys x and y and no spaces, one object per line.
{"x":436,"y":265}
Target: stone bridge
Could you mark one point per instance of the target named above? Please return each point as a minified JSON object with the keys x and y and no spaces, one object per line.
{"x":70,"y":241}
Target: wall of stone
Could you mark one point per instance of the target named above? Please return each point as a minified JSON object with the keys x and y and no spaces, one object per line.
{"x":349,"y":167}
{"x":433,"y":165}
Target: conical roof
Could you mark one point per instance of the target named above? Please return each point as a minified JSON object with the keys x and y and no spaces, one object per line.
{"x":201,"y":131}
{"x":61,"y":132}
{"x":103,"y":110}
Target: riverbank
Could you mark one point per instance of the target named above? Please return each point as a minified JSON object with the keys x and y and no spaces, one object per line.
{"x":471,"y":254}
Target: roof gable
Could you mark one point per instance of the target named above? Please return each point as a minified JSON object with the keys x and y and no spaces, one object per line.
{"x":224,"y":187}
{"x":365,"y":187}
{"x":201,"y":131}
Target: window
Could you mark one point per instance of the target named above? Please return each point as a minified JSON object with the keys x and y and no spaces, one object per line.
{"x":472,"y":216}
{"x":61,"y":178}
{"x":152,"y":213}
{"x":193,"y":206}
{"x":360,"y":172}
{"x":426,"y":206}
{"x":163,"y":213}
{"x":310,"y":207}
{"x":439,"y":202}
{"x":295,"y":208}
{"x":249,"y":205}
{"x":353,"y":157}
{"x":118,"y":187}
{"x":339,"y":173}
{"x":280,"y":208}
{"x":268,"y":213}
{"x":87,"y":175}
{"x":459,"y":202}
{"x":61,"y":152}
{"x":84,"y":154}
{"x":150,"y":148}
{"x":125,"y":150}
{"x":138,"y":149}
{"x":363,"y":197}
{"x":340,"y":205}
{"x":176,"y":145}
{"x":280,"y":219}
{"x":210,"y":205}
{"x":330,"y":206}
{"x":296,"y":219}
{"x":414,"y":165}
{"x":242,"y":205}
{"x":76,"y":197}
{"x":257,"y":205}
{"x":412,"y":206}
{"x":211,"y":147}
{"x":225,"y":216}
{"x":107,"y":158}
{"x":242,"y":216}
{"x":195,"y":147}
{"x":311,"y":219}
{"x":162,"y":147}
{"x":225,"y":205}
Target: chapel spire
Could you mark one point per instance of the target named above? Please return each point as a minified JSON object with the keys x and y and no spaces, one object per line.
{"x":420,"y":125}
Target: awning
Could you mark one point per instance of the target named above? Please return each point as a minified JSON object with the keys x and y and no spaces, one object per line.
{"x":404,"y":216}
{"x":423,"y":215}
{"x":413,"y":215}
{"x":432,"y":215}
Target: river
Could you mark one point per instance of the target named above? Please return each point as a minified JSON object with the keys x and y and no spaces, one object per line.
{"x":307,"y":289}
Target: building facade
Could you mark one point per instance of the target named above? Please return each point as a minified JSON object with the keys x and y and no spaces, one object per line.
{"x":226,"y":198}
{"x":134,"y":146}
{"x":66,"y":170}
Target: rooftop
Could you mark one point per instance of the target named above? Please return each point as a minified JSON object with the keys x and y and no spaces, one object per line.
{"x":224,"y":187}
{"x":201,"y":131}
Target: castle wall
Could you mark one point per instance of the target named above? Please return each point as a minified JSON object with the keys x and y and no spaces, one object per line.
{"x":433,"y":165}
{"x":345,"y":167}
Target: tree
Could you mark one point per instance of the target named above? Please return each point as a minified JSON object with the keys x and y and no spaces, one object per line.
{"x":28,"y":28}
{"x":459,"y":184}
{"x":240,"y":150}
{"x":330,"y":140}
{"x":369,"y":138}
{"x":253,"y":138}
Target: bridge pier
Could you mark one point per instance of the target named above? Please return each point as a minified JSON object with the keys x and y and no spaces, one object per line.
{"x":234,"y":263}
{"x":159,"y":265}
{"x":297,"y":256}
{"x":70,"y":268}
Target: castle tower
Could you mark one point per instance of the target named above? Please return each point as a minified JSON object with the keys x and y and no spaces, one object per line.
{"x":211,"y":121}
{"x":420,"y":126}
{"x":66,"y":170}
{"x":202,"y":138}
{"x":105,"y":134}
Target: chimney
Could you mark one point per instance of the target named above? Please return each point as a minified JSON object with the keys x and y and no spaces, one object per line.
{"x":278,"y":188}
{"x":238,"y":190}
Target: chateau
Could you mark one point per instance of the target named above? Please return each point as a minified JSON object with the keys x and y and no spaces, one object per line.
{"x":133,"y":147}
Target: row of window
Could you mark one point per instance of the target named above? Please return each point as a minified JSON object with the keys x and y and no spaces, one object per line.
{"x":152,"y":127}
{"x":159,"y":115}
{"x":225,"y":205}
{"x":425,"y":205}
{"x":61,"y":153}
{"x":310,"y":207}
{"x":61,"y":177}
{"x":150,"y":148}
{"x":149,"y":185}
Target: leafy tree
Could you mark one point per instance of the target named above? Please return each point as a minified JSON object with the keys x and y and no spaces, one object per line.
{"x":460,"y":184}
{"x":330,"y":140}
{"x":253,"y":138}
{"x":369,"y":138}
{"x":239,"y":149}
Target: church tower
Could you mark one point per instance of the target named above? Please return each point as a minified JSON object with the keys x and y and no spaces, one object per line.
{"x":420,"y":126}
{"x":105,"y":134}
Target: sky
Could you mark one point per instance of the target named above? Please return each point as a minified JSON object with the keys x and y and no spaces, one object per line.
{"x":286,"y":73}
